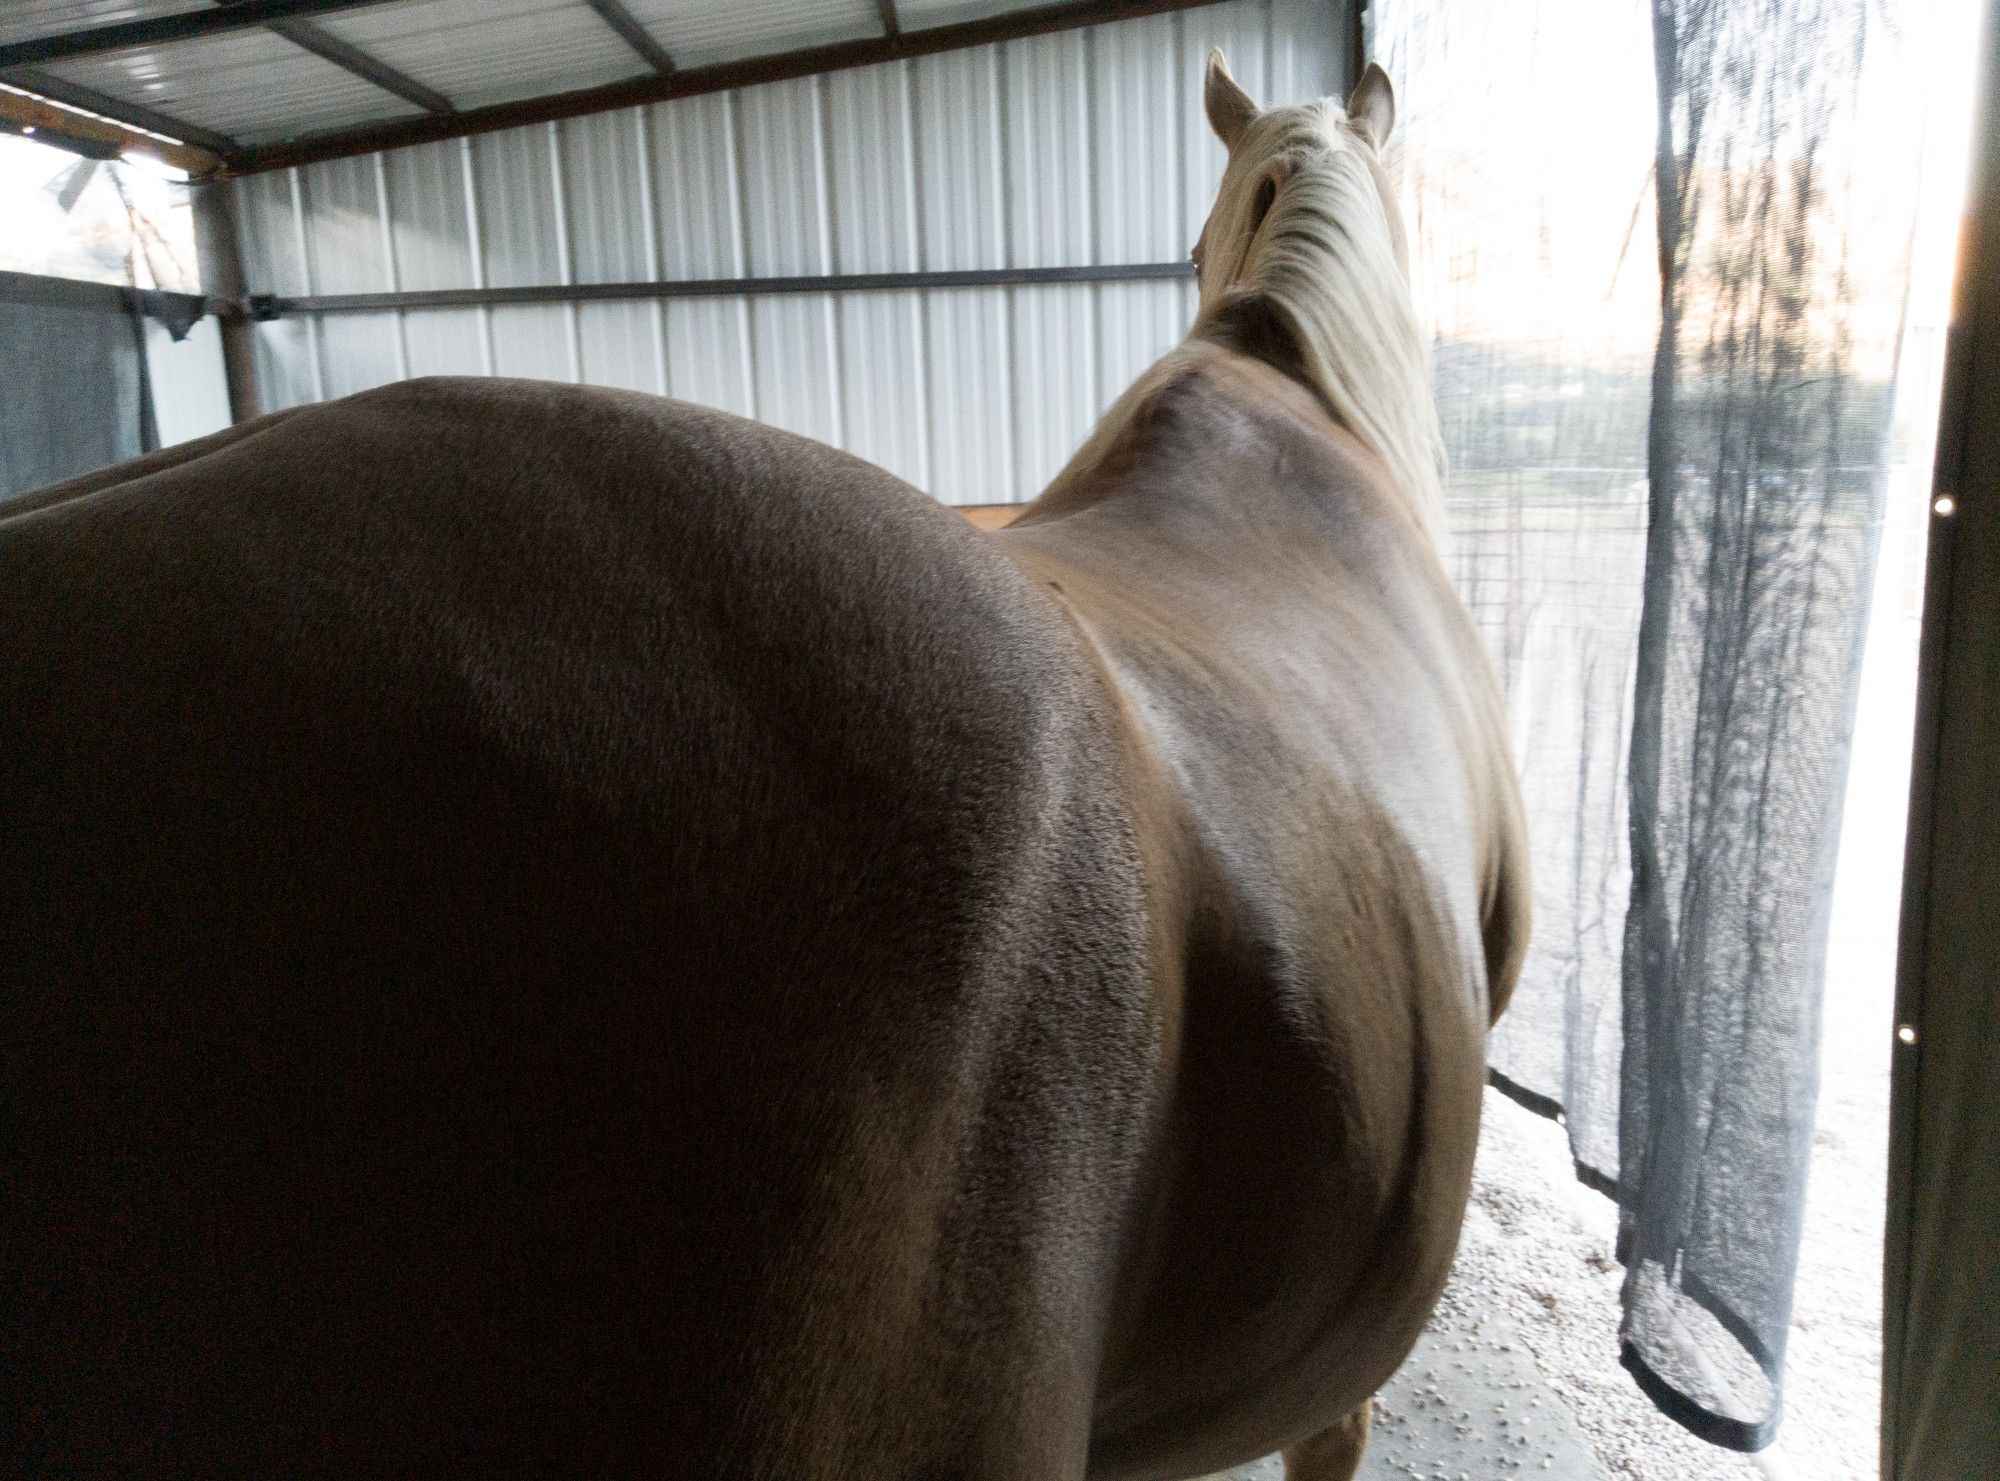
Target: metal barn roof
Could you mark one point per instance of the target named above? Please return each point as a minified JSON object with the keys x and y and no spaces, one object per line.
{"x":254,"y":84}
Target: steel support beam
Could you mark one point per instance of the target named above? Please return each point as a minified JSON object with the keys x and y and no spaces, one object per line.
{"x":218,"y":249}
{"x":324,"y":44}
{"x":133,"y":115}
{"x":92,"y":135}
{"x":328,"y":47}
{"x":634,"y":35}
{"x":892,"y":24}
{"x":268,"y":307}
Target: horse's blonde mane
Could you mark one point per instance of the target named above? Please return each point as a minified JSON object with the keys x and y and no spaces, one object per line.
{"x":1324,"y":264}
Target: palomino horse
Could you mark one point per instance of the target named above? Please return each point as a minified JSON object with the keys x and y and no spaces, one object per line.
{"x":551,"y":931}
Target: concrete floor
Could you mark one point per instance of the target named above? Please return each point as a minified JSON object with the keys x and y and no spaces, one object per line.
{"x":1469,"y":1405}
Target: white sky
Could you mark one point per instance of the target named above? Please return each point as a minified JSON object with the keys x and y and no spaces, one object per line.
{"x":91,"y":240}
{"x":1544,"y":167}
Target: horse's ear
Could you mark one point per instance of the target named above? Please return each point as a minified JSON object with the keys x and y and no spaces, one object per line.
{"x":1230,"y":109}
{"x":1371,"y":107}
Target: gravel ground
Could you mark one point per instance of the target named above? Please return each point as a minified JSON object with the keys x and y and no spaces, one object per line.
{"x":1537,"y":1246}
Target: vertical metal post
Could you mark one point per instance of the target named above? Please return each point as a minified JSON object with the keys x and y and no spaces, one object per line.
{"x":1354,"y":43}
{"x":218,"y":250}
{"x":1941,"y":1287}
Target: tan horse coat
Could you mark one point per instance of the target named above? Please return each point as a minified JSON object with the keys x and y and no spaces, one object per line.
{"x":551,"y":931}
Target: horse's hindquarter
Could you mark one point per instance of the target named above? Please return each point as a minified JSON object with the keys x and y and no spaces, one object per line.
{"x":555,"y":930}
{"x":1294,"y":660}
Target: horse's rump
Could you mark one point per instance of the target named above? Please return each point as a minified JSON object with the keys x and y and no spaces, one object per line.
{"x":532,"y":915}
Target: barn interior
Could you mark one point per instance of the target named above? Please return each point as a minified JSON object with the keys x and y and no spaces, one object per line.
{"x":1711,"y":290}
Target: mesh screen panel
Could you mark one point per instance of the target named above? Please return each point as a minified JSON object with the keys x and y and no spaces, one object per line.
{"x":1663,"y":250}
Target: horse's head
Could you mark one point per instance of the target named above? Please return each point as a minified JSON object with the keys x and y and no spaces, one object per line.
{"x":1304,"y":247}
{"x":1303,"y":145}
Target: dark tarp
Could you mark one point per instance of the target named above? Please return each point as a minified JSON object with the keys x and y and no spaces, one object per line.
{"x":77,"y":397}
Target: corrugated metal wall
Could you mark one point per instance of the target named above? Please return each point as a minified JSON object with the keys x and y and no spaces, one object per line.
{"x":1086,"y":147}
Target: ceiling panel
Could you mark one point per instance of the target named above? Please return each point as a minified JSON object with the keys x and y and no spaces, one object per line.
{"x":918,"y":14}
{"x":253,"y":86}
{"x":492,"y":51}
{"x":21,"y":19}
{"x":250,"y":85}
{"x":698,"y":32}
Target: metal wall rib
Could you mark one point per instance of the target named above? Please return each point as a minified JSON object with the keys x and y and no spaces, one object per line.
{"x":1086,"y":147}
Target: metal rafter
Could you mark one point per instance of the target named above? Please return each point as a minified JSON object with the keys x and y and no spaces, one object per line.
{"x":634,"y":35}
{"x":328,"y":47}
{"x":93,"y":134}
{"x":348,"y":57}
{"x":892,"y":24}
{"x":135,"y":115}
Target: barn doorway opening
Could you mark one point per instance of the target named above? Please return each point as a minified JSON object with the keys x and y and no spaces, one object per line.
{"x":1639,"y":647}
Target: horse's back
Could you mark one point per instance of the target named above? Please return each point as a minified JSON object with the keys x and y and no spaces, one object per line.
{"x":547,"y":928}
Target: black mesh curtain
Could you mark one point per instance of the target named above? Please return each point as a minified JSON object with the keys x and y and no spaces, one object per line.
{"x":1769,"y":425}
{"x":1663,"y":246}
